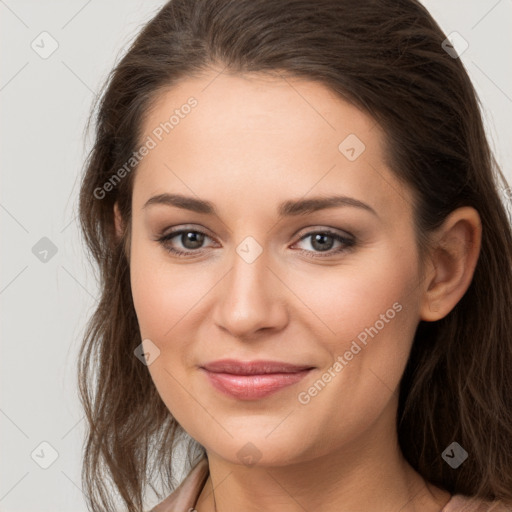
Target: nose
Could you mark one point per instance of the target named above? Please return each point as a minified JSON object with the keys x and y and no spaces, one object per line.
{"x":251,"y":299}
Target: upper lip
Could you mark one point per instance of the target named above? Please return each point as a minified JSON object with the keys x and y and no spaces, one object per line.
{"x":256,"y":367}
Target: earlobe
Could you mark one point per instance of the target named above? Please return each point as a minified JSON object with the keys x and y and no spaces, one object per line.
{"x":455,"y":251}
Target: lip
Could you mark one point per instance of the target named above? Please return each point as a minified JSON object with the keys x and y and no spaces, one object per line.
{"x":256,"y":367}
{"x":252,"y":380}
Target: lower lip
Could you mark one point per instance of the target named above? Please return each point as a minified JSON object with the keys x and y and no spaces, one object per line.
{"x":253,"y":387}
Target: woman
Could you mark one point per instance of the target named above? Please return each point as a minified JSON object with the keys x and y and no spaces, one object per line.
{"x":305,"y":266}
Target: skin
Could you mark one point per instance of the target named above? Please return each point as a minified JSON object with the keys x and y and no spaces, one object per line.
{"x":251,"y":143}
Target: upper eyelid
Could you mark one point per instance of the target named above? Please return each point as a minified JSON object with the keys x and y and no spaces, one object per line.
{"x":315,"y":228}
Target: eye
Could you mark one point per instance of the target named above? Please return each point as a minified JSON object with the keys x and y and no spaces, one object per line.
{"x":190,"y":239}
{"x":323,"y":242}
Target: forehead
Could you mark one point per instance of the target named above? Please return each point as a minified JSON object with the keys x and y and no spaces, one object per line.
{"x":255,"y":134}
{"x":257,"y":106}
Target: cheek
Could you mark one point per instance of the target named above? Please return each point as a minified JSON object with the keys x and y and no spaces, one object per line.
{"x":151,"y":297}
{"x":162,"y":297}
{"x":364,"y":292}
{"x":372,"y":314}
{"x":366,"y":360}
{"x":163,"y":294}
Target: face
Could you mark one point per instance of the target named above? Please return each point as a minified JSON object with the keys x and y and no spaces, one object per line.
{"x":268,"y":274}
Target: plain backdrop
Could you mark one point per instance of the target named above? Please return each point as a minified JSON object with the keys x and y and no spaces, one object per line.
{"x":47,"y":289}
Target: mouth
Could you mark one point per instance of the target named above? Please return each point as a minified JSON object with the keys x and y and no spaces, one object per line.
{"x":253,"y":380}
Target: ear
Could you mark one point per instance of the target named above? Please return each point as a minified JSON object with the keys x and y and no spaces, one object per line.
{"x":455,"y":251}
{"x":118,"y":221}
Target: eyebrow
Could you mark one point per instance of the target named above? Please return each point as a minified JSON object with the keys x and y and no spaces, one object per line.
{"x":293,"y":207}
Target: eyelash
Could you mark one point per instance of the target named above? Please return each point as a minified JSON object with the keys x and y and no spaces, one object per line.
{"x":349,"y":243}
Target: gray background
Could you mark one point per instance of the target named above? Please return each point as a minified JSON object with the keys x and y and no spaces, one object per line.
{"x":44,"y":106}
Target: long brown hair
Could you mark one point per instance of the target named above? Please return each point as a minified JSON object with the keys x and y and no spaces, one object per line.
{"x":387,"y":58}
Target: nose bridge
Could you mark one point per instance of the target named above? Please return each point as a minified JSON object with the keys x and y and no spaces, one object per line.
{"x":250,"y":294}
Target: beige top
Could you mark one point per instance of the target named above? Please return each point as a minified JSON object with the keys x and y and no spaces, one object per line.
{"x":185,"y":496}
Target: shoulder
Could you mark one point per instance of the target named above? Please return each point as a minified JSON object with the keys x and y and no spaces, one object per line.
{"x":185,"y":495}
{"x":461,"y":503}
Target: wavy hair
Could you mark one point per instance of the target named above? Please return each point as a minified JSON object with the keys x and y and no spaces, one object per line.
{"x":385,"y":57}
